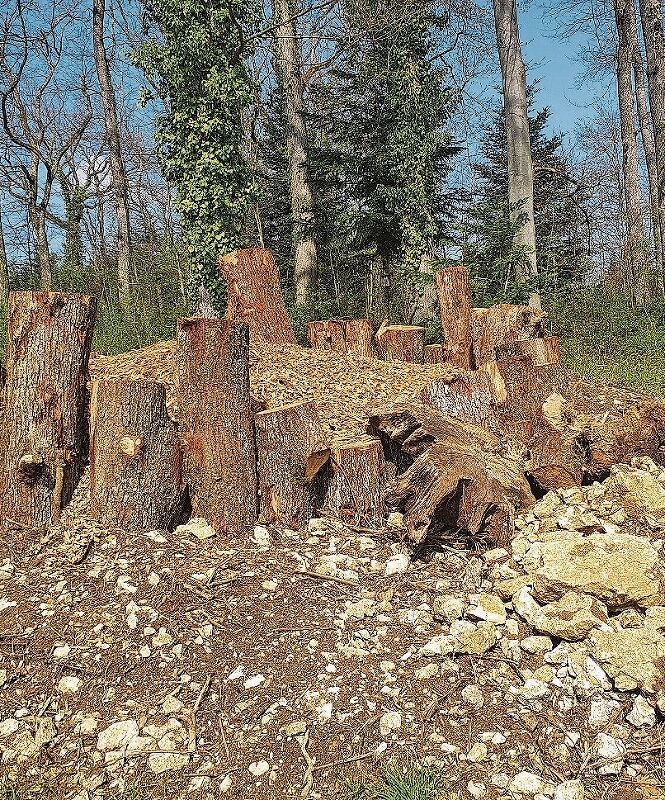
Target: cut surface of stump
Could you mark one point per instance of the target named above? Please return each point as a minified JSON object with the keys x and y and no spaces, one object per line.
{"x":357,"y":480}
{"x":45,"y":436}
{"x":454,"y":293}
{"x":292,"y":452}
{"x":136,"y":479}
{"x":452,"y":476}
{"x":216,"y":421}
{"x":255,"y":295}
{"x":401,"y":343}
{"x":347,"y":336}
{"x":501,"y":325}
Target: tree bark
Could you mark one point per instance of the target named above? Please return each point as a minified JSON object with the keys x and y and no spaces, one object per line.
{"x":635,"y":244}
{"x":38,"y":220}
{"x":118,"y":172}
{"x":4,"y":267}
{"x":651,"y":15}
{"x":45,"y":433}
{"x":216,"y":421}
{"x":292,"y":452}
{"x":348,"y":336}
{"x":520,"y":165}
{"x":435,"y":354}
{"x":456,"y":477}
{"x":255,"y":295}
{"x":454,"y":293}
{"x":501,"y":325}
{"x":357,"y":480}
{"x":288,"y":67}
{"x":136,"y":477}
{"x":401,"y":343}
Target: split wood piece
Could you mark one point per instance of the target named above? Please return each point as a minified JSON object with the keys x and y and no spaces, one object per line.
{"x":454,"y":293}
{"x":216,"y":421}
{"x":502,"y":324}
{"x":543,"y":351}
{"x":255,"y":295}
{"x":136,"y":479}
{"x":435,"y":354}
{"x":357,"y":480}
{"x":348,"y":336}
{"x":45,"y":431}
{"x":401,"y":343}
{"x":459,"y":476}
{"x":292,"y":452}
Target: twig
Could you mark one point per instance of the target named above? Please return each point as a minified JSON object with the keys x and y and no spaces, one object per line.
{"x":328,"y":578}
{"x":344,"y":761}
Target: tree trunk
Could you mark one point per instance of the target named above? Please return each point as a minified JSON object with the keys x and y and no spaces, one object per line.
{"x":255,"y":295}
{"x":216,"y":421}
{"x":635,"y":245}
{"x":401,"y":343}
{"x":503,"y":324}
{"x":457,"y":477}
{"x":289,"y":71}
{"x":118,"y":173}
{"x":348,"y":336}
{"x":292,"y":450}
{"x":45,"y":422}
{"x":136,"y":479}
{"x":454,"y":293}
{"x":357,"y":481}
{"x":38,"y":220}
{"x":4,"y":267}
{"x":651,"y":14}
{"x":520,"y":166}
{"x":435,"y":354}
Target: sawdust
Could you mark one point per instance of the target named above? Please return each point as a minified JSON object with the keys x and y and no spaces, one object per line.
{"x":346,"y":389}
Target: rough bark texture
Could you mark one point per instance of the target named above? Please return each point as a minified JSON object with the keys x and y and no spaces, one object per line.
{"x":216,"y":421}
{"x":45,"y":433}
{"x":357,"y":480}
{"x":456,"y":476}
{"x":4,"y":273}
{"x":255,"y":295}
{"x":543,"y":351}
{"x":116,"y":163}
{"x":454,"y":293}
{"x":136,"y":478}
{"x":292,"y":451}
{"x":289,"y":69}
{"x":435,"y":354}
{"x":347,"y":336}
{"x":520,"y":165}
{"x":503,"y":324}
{"x":401,"y":343}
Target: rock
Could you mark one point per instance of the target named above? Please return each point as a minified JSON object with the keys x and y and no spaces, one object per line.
{"x":259,"y":768}
{"x":117,"y":735}
{"x":473,"y":696}
{"x":525,"y":605}
{"x":197,"y":527}
{"x":489,"y":608}
{"x":167,"y":762}
{"x":477,"y":753}
{"x":448,"y":606}
{"x":426,"y":672}
{"x":476,"y":789}
{"x":610,"y":750}
{"x":390,"y":721}
{"x":533,"y":689}
{"x":526,"y":783}
{"x":571,"y":618}
{"x":61,"y":652}
{"x":69,"y":684}
{"x":397,"y":564}
{"x":603,"y":709}
{"x":619,"y":569}
{"x":45,"y":731}
{"x":641,"y":714}
{"x":254,"y":681}
{"x":8,"y":727}
{"x":261,"y":536}
{"x":474,"y":640}
{"x":396,"y":520}
{"x":638,"y":488}
{"x":569,"y":790}
{"x":296,"y":728}
{"x":536,"y":644}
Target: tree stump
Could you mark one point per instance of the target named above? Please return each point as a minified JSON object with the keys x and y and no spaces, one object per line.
{"x":453,"y":476}
{"x":501,"y":325}
{"x":255,"y":295}
{"x":136,"y":479}
{"x":541,"y":350}
{"x":454,"y":293}
{"x":347,"y":336}
{"x":292,"y":451}
{"x":435,"y":354}
{"x":401,"y":343}
{"x":45,"y":433}
{"x":216,"y":421}
{"x":357,"y":481}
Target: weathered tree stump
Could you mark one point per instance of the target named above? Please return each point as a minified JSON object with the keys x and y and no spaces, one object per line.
{"x":542,"y":351}
{"x":45,"y":433}
{"x":501,"y":325}
{"x":216,"y":421}
{"x":136,"y":479}
{"x":435,"y":354}
{"x":454,"y":293}
{"x":292,"y":451}
{"x":401,"y":343}
{"x":255,"y":295}
{"x":452,"y":475}
{"x":357,"y":480}
{"x":347,"y":336}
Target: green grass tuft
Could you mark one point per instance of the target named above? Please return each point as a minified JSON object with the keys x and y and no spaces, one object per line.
{"x":401,"y":782}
